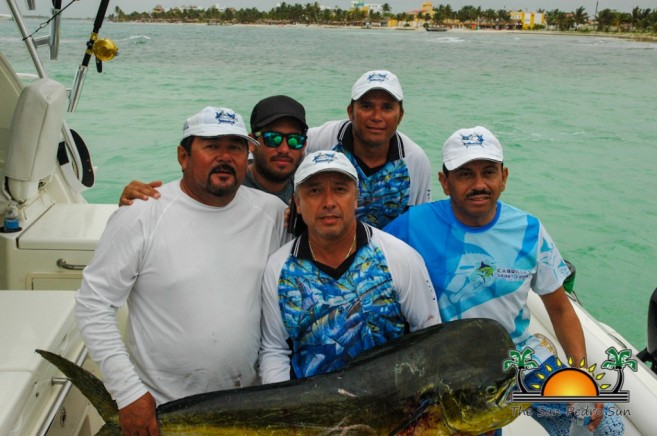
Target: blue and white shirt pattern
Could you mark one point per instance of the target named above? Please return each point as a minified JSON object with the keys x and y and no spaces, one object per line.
{"x":387,"y":192}
{"x":331,"y":321}
{"x":485,"y":271}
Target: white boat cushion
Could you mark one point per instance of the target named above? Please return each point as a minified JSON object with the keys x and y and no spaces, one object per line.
{"x":34,"y":137}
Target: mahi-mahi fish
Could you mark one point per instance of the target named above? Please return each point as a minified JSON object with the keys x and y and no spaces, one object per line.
{"x":445,"y":379}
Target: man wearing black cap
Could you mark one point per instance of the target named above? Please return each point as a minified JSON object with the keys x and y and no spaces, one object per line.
{"x":278,"y":123}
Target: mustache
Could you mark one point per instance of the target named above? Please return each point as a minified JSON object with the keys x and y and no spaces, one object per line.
{"x":223,"y":168}
{"x":333,"y":214}
{"x":282,"y":155}
{"x":478,"y":192}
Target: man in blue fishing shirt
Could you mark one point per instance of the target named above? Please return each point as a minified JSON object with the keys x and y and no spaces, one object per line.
{"x":484,"y":256}
{"x":342,"y":286}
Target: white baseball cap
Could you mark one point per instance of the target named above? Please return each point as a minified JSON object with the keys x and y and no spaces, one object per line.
{"x":216,"y":121}
{"x":324,"y":161}
{"x":377,"y":79}
{"x":466,"y":145}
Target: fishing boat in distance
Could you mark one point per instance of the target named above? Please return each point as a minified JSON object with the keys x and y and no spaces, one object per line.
{"x":50,"y":232}
{"x":437,"y":28}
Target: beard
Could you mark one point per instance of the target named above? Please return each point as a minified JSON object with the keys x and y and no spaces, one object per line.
{"x":221,"y":189}
{"x":260,"y":162}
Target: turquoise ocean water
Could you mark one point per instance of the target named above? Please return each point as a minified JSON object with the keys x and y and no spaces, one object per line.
{"x":576,"y":114}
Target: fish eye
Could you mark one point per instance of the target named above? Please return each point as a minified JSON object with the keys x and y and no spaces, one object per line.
{"x":490,"y":390}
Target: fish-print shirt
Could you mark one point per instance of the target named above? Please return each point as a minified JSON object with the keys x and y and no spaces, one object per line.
{"x":387,"y":191}
{"x":316,"y":319}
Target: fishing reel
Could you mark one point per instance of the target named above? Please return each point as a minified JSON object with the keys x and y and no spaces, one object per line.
{"x":103,"y":50}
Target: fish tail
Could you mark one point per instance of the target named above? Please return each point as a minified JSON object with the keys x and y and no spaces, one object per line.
{"x":92,"y":388}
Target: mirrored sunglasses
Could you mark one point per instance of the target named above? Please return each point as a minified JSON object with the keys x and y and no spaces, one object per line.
{"x":273,"y":139}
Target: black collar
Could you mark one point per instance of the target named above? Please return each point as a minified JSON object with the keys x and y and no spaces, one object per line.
{"x":346,"y":139}
{"x":301,"y":250}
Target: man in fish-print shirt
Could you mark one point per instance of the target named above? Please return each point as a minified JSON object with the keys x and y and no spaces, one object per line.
{"x":342,"y":286}
{"x":394,"y":172}
{"x":485,"y":256}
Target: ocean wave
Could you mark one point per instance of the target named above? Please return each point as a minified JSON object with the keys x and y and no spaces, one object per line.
{"x":139,"y":39}
{"x":449,"y":40}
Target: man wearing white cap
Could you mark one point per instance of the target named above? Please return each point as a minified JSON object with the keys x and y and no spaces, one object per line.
{"x":342,"y":286}
{"x":278,"y":123}
{"x":394,"y":172}
{"x":189,"y":266}
{"x":484,"y":256}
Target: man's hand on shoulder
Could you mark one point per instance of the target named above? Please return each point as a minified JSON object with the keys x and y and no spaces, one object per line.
{"x":139,"y":190}
{"x":138,"y":417}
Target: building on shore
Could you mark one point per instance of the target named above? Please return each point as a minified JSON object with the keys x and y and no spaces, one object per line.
{"x":528,"y":20}
{"x":368,"y":8}
{"x":415,"y":18}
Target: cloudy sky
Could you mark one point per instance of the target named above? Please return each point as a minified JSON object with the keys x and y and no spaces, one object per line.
{"x":87,"y":8}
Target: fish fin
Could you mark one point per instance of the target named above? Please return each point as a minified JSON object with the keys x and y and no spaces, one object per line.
{"x":418,"y":413}
{"x":90,"y":386}
{"x":110,"y":430}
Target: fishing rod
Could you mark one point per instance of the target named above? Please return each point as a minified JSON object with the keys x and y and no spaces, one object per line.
{"x":54,"y":29}
{"x":103,"y":49}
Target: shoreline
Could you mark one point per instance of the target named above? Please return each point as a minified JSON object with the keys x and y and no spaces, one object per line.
{"x":639,"y":37}
{"x":643,"y":37}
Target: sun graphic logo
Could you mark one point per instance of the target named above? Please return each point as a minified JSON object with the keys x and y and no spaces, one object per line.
{"x":572,"y":384}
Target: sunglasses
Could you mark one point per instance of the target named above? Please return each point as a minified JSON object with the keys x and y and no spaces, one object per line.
{"x":273,"y":139}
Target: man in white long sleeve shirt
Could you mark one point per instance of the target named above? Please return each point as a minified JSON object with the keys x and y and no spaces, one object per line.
{"x":189,"y":267}
{"x":342,"y":286}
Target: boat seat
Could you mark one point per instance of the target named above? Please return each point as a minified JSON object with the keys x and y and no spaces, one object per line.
{"x":34,"y":136}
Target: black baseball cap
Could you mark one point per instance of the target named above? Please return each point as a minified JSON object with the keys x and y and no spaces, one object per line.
{"x":272,"y":108}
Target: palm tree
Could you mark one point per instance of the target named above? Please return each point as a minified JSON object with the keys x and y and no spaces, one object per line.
{"x":312,"y":11}
{"x":580,"y":16}
{"x":521,"y":360}
{"x":504,"y":16}
{"x":617,"y":361}
{"x":437,"y":16}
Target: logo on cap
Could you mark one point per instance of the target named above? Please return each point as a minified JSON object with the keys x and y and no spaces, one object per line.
{"x":225,"y":117}
{"x":377,"y":77}
{"x":472,"y":139}
{"x":324,"y":157}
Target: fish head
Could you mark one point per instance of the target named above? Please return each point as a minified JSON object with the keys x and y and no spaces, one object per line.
{"x":477,"y":402}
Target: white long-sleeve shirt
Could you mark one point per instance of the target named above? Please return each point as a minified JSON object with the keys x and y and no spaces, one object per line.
{"x":191,"y":276}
